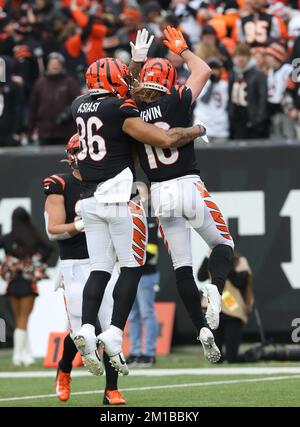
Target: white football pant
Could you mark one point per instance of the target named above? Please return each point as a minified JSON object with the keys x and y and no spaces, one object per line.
{"x":180,"y":204}
{"x":115,"y":230}
{"x":75,"y":275}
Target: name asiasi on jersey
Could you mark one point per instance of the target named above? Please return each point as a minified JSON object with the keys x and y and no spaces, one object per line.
{"x":88,"y":107}
{"x":117,"y":417}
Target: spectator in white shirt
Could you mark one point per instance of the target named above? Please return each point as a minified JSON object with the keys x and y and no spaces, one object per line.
{"x":212,"y":105}
{"x":282,"y":126}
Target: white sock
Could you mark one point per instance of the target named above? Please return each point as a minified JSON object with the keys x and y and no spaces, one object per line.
{"x":19,"y":343}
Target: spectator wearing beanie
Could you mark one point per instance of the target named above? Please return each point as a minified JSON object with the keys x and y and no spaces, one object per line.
{"x":248,"y":113}
{"x":49,"y":110}
{"x":282,"y":126}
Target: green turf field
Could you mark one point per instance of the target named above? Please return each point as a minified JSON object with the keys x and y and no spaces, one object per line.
{"x":228,"y":387}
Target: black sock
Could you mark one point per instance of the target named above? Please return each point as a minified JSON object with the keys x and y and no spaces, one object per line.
{"x":220,"y":264}
{"x":124,"y":295}
{"x":190,"y":295}
{"x":69,"y":353}
{"x":111,"y":375}
{"x":92,"y":296}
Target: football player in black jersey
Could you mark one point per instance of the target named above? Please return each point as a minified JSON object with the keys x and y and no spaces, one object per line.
{"x":65,"y":226}
{"x":179,"y":197}
{"x":114,"y":221}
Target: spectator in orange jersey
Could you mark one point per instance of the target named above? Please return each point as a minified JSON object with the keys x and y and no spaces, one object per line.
{"x":97,"y":31}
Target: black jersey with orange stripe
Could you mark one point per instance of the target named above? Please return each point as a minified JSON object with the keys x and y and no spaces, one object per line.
{"x":69,"y":187}
{"x":170,"y":110}
{"x":105,"y":149}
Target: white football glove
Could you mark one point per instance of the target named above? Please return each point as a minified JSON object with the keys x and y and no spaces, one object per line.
{"x":79,"y":225}
{"x":139,"y":50}
{"x":78,"y":208}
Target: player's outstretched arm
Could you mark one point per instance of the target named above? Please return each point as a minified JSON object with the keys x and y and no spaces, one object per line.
{"x":157,"y":137}
{"x":55,"y":219}
{"x":139,"y":51}
{"x":200,"y":71}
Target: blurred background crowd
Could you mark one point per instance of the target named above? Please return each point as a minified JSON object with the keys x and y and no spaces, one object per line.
{"x":252,"y":47}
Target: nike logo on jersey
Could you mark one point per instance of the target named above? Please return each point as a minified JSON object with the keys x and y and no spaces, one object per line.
{"x":151,"y":114}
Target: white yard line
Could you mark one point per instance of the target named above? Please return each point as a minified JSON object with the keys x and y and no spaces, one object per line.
{"x":162,"y":387}
{"x":263,"y":370}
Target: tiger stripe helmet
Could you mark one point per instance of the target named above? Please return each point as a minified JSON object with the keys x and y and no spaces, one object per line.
{"x":158,"y":74}
{"x":73,"y":147}
{"x":108,"y":75}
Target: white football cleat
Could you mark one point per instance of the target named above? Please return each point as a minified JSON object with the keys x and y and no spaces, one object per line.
{"x":211,"y":351}
{"x":111,"y":341}
{"x":85,"y":341}
{"x":214,"y":301}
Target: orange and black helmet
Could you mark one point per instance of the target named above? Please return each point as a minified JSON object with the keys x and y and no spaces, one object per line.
{"x":108,"y":75}
{"x":73,"y":147}
{"x":158,"y":74}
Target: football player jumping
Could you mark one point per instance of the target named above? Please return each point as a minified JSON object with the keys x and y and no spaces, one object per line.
{"x":108,"y":123}
{"x":179,"y":197}
{"x":66,"y":227}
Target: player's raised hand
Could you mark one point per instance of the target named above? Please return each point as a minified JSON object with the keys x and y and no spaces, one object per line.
{"x":175,"y":40}
{"x":139,"y":50}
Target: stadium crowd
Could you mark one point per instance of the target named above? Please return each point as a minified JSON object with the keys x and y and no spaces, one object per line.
{"x":252,"y":47}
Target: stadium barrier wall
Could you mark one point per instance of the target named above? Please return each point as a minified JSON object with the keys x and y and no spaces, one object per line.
{"x":258,"y":189}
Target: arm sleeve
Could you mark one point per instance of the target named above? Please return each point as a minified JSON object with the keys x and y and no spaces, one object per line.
{"x":54,"y":185}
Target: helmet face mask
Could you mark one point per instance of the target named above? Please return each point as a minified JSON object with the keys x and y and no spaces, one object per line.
{"x":108,"y":76}
{"x":72,"y":150}
{"x":158,"y":74}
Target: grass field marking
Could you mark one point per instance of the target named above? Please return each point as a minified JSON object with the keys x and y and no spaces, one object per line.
{"x":263,"y":370}
{"x":161,"y":387}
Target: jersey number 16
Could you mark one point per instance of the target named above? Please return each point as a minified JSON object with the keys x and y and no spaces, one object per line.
{"x":155,"y":154}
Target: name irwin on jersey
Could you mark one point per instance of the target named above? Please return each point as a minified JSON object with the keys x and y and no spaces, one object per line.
{"x":151,"y":114}
{"x":88,"y":107}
